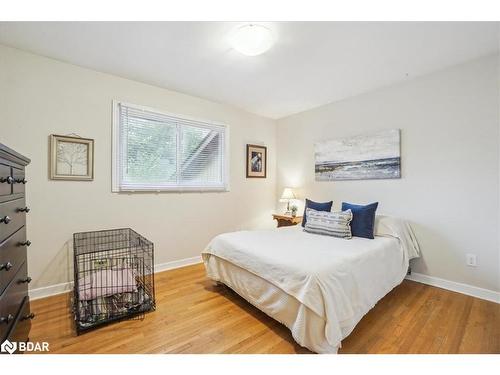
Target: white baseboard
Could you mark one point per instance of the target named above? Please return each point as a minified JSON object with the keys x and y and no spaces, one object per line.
{"x":50,"y":290}
{"x":177,"y":264}
{"x":474,"y":291}
{"x":53,"y":290}
{"x":469,"y":290}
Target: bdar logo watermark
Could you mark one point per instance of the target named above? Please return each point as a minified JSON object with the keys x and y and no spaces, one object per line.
{"x":8,"y":347}
{"x":11,"y":347}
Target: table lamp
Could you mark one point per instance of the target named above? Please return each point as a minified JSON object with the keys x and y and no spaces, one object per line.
{"x":286,"y":197}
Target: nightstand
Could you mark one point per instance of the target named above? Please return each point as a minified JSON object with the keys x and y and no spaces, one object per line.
{"x":287,"y":220}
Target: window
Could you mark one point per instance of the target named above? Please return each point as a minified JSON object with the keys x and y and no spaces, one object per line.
{"x":158,"y":151}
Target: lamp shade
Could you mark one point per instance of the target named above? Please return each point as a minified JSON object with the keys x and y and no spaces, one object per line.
{"x":287,"y":195}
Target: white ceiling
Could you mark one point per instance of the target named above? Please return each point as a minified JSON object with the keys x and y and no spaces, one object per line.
{"x":311,"y":64}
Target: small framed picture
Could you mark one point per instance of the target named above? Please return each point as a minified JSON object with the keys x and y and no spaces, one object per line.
{"x":256,"y":161}
{"x":71,"y":158}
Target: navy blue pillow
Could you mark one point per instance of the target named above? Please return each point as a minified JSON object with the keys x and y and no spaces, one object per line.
{"x":327,"y":206}
{"x":363,"y":219}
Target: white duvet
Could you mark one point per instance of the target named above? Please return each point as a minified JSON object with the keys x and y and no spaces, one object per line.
{"x":339,"y":280}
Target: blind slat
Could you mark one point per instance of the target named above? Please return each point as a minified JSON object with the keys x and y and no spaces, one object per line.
{"x":159,"y":151}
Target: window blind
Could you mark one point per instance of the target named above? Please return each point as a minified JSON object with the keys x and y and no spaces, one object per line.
{"x":158,"y":151}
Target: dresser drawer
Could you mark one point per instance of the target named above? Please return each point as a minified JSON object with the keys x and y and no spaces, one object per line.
{"x":6,"y":180}
{"x":11,"y":299}
{"x":11,"y":217}
{"x":20,"y":329}
{"x":19,"y":180}
{"x":12,"y":255}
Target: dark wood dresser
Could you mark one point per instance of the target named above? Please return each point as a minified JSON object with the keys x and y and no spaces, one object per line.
{"x":15,"y":314}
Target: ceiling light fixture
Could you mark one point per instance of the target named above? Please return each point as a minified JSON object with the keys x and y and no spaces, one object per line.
{"x":251,"y":39}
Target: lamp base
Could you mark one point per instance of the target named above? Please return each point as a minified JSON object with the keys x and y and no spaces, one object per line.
{"x":288,"y":212}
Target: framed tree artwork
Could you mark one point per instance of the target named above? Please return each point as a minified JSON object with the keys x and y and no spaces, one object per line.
{"x":256,"y":161}
{"x":71,"y":158}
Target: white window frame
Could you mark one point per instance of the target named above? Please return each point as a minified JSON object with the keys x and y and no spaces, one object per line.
{"x":115,"y":156}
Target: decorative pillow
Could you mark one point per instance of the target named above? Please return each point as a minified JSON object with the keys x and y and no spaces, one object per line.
{"x":334,"y":224}
{"x":327,"y":206}
{"x":363,"y":219}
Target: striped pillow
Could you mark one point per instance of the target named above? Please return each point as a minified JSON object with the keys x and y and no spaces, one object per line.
{"x":336,"y":224}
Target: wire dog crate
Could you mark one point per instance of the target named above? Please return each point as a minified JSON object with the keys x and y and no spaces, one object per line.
{"x":114,"y":277}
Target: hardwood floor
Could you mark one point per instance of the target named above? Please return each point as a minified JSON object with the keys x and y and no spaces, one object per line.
{"x":195,"y":316}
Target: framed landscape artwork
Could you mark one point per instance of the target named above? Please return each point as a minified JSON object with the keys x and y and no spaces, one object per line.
{"x":71,"y":158}
{"x":362,"y":157}
{"x":256,"y":161}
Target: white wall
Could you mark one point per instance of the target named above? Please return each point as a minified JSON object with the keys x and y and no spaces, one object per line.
{"x":449,"y":188}
{"x":40,"y":96}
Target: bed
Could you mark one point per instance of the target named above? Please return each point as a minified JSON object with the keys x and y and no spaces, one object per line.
{"x":318,"y":286}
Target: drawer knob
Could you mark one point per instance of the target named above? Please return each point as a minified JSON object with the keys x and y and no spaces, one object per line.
{"x":21,"y":180}
{"x":5,"y":220}
{"x":29,"y":316}
{"x":8,"y":180}
{"x":7,"y":319}
{"x":25,"y":243}
{"x":26,"y":280}
{"x":6,"y":266}
{"x":25,"y":209}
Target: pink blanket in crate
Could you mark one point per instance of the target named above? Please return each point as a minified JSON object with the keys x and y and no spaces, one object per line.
{"x":106,"y":283}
